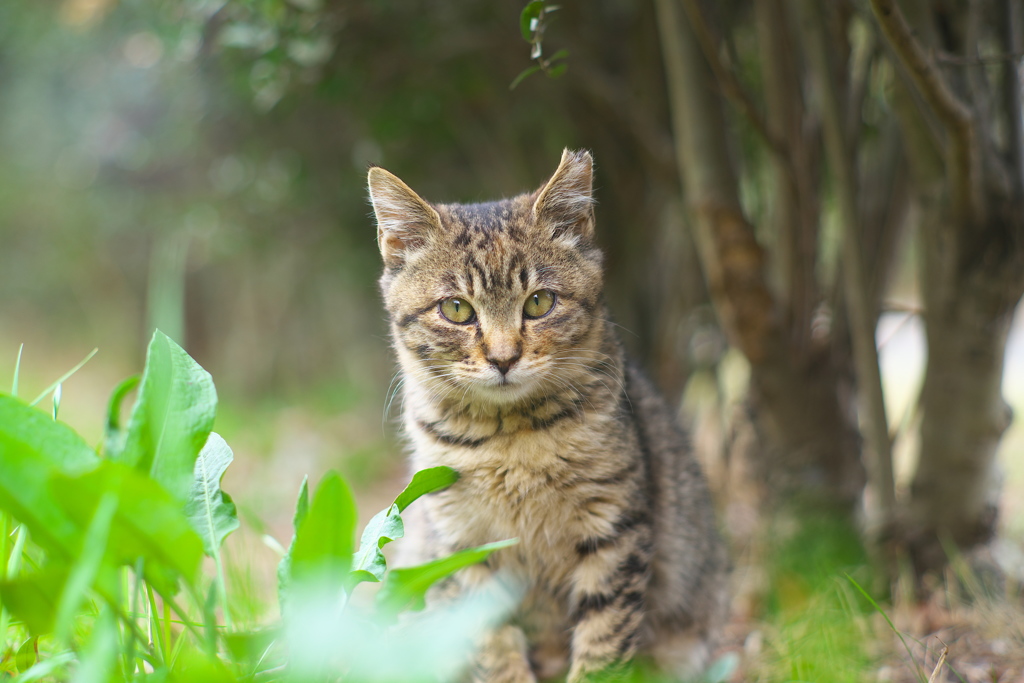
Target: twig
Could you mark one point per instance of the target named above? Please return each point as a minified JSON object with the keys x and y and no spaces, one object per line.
{"x":944,"y":57}
{"x":938,"y":665}
{"x":953,"y":113}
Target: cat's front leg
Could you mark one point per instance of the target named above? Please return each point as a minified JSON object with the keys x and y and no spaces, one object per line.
{"x":502,"y":654}
{"x":609,"y":594}
{"x":503,"y":657}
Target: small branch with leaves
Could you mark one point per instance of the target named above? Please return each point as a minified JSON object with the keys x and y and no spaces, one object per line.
{"x":533,"y":21}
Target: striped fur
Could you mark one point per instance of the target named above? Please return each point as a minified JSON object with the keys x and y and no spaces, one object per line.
{"x":572,"y":451}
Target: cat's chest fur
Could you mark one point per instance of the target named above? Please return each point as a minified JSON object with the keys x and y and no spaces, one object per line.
{"x":552,"y":488}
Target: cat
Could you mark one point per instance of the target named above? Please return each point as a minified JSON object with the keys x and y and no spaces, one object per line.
{"x":513,"y":376}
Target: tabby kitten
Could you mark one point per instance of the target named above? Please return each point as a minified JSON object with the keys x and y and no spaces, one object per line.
{"x":514,"y":377}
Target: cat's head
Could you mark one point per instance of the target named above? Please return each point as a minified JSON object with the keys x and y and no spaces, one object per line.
{"x":497,"y":302}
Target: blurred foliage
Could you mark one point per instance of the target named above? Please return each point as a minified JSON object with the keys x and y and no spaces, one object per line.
{"x":199,"y":166}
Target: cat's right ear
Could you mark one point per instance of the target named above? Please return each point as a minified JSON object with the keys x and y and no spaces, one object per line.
{"x":404,"y":220}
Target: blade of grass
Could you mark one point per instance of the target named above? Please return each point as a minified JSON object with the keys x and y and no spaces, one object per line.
{"x":13,"y":566}
{"x":64,"y":377}
{"x":917,"y":667}
{"x":17,"y":371}
{"x":14,"y":561}
{"x":86,"y":566}
{"x":167,"y":634}
{"x":56,"y":400}
{"x":155,"y":632}
{"x":3,"y":563}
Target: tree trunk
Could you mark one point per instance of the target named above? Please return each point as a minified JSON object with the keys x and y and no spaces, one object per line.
{"x":954,"y":495}
{"x":811,"y":447}
{"x":972,"y":264}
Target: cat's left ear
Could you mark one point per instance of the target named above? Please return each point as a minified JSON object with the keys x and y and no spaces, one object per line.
{"x":565,"y":205}
{"x":404,"y":220}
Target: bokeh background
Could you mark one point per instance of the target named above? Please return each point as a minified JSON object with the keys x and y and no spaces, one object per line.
{"x":199,"y":166}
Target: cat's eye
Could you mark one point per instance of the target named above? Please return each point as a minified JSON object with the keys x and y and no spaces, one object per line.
{"x":539,"y":303}
{"x":457,"y":310}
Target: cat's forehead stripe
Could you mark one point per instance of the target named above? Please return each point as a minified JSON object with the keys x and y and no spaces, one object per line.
{"x":479,"y":224}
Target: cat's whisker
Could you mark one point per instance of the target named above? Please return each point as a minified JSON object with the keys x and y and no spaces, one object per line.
{"x":599,"y":373}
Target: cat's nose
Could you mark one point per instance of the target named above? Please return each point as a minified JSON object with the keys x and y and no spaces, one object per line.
{"x":504,"y":361}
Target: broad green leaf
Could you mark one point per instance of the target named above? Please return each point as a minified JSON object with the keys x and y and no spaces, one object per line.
{"x":210,"y":510}
{"x":172,"y":417}
{"x":32,"y":598}
{"x":87,"y":566}
{"x":369,"y":563}
{"x":322,"y":552}
{"x":149,"y":523}
{"x":28,"y":654}
{"x":404,"y":589}
{"x":113,"y":435}
{"x":426,"y":481}
{"x":33,"y":450}
{"x":531,"y":13}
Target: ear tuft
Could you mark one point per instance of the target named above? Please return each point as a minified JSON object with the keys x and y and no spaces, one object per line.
{"x":404,"y":220}
{"x":566,"y":203}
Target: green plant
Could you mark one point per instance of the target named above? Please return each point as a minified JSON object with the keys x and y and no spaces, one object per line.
{"x":104,"y":582}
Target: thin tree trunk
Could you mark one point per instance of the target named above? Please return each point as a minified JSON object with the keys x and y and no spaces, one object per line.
{"x":855,"y":281}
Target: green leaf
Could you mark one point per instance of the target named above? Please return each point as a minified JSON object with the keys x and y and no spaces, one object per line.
{"x":533,"y":10}
{"x":404,"y":589}
{"x":149,"y":523}
{"x":561,"y":54}
{"x":28,"y":654}
{"x":426,"y":481}
{"x":172,"y":417}
{"x":86,"y":567}
{"x":322,"y":552}
{"x":529,"y":71}
{"x":32,"y":598}
{"x":33,"y":450}
{"x":210,"y":510}
{"x":113,"y":435}
{"x":369,"y":563}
